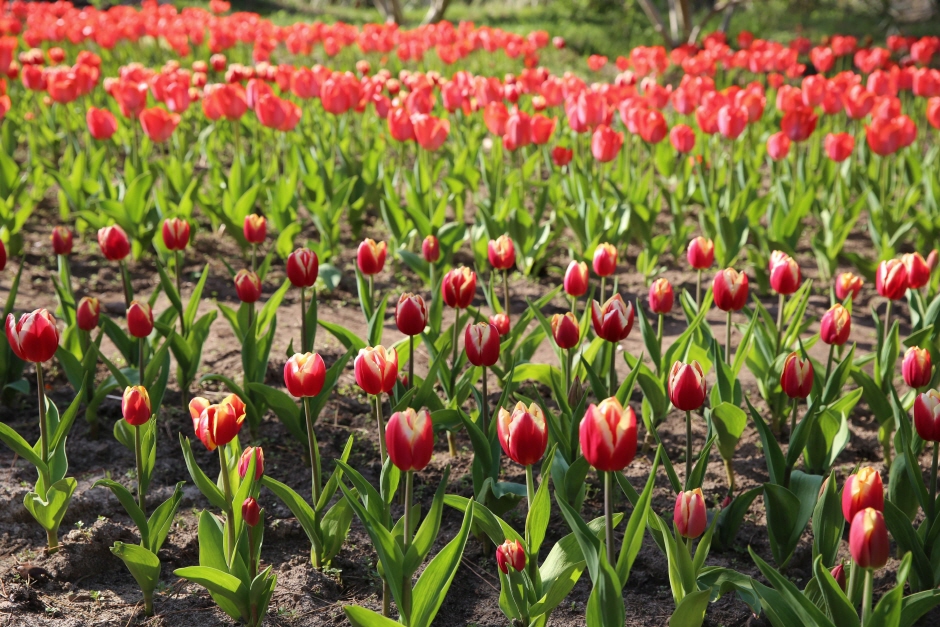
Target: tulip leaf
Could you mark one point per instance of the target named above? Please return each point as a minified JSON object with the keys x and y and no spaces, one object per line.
{"x":836,"y":603}
{"x":636,"y":526}
{"x":49,"y":509}
{"x":434,"y":582}
{"x":297,"y":505}
{"x":347,"y":338}
{"x":916,"y":605}
{"x":731,"y":517}
{"x":427,"y":533}
{"x":219,"y":583}
{"x":208,"y":487}
{"x":130,"y":506}
{"x":910,"y":542}
{"x":143,"y":564}
{"x":776,"y":465}
{"x":540,"y":510}
{"x":690,"y":612}
{"x":791,"y":602}
{"x":21,"y":447}
{"x":161,"y":519}
{"x":828,"y":523}
{"x":729,"y":422}
{"x":492,"y":525}
{"x":362,"y":617}
{"x":285,"y":408}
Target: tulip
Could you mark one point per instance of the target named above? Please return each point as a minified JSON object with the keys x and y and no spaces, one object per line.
{"x":255,"y":229}
{"x":891,"y":279}
{"x":62,"y":240}
{"x":682,"y":138}
{"x":701,"y":253}
{"x":87,"y":313}
{"x":918,"y":272}
{"x":175,"y":234}
{"x":430,"y":132}
{"x":502,"y":256}
{"x":576,"y":279}
{"x":916,"y":367}
{"x":303,"y":267}
{"x":510,"y":554}
{"x":614,"y":320}
{"x":101,"y":123}
{"x":251,"y":514}
{"x":730,"y":290}
{"x":458,"y":287}
{"x":661,"y":297}
{"x":376,"y":370}
{"x":135,"y":405}
{"x":838,"y":573}
{"x":785,"y":275}
{"x":431,"y":249}
{"x":523,"y":434}
{"x":370,"y":257}
{"x":839,"y":146}
{"x":139,"y":319}
{"x":409,"y":438}
{"x":481,"y":342}
{"x":797,"y":377}
{"x":927,"y":415}
{"x":501,"y":322}
{"x":229,"y":417}
{"x":848,"y":286}
{"x":732,"y":120}
{"x":606,"y":143}
{"x":114,"y":243}
{"x":245,"y":461}
{"x":247,"y":286}
{"x":565,"y":330}
{"x":411,"y":317}
{"x":778,"y":146}
{"x":690,"y":515}
{"x":835,"y":326}
{"x":863,"y":489}
{"x":158,"y":124}
{"x":605,"y":260}
{"x":304,"y":375}
{"x":562,"y":156}
{"x":869,"y":543}
{"x":687,"y":393}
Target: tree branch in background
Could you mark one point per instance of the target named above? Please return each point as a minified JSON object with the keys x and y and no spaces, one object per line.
{"x":436,"y":11}
{"x":658,"y":25}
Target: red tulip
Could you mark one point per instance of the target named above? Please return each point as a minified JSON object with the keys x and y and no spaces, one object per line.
{"x":61,"y":240}
{"x":701,"y":253}
{"x":614,"y":320}
{"x":562,"y":156}
{"x":838,"y":573}
{"x":139,"y":319}
{"x":682,"y":138}
{"x":690,"y":514}
{"x":114,"y":243}
{"x":501,"y":322}
{"x":251,"y":511}
{"x":175,"y":233}
{"x":885,"y":137}
{"x":255,"y":229}
{"x":933,"y":111}
{"x":687,"y":386}
{"x":868,"y":539}
{"x":730,"y":290}
{"x":518,"y":132}
{"x":135,"y":405}
{"x":523,"y":434}
{"x":785,"y":275}
{"x":399,"y":125}
{"x":304,"y":375}
{"x":891,"y":279}
{"x":778,"y":146}
{"x":732,"y":120}
{"x":303,"y":267}
{"x":501,"y":253}
{"x":653,"y":126}
{"x":576,"y":278}
{"x":541,"y":128}
{"x":87,"y":313}
{"x":158,"y":124}
{"x":863,"y":489}
{"x":409,"y":437}
{"x":229,"y":417}
{"x":376,"y":369}
{"x":430,"y":132}
{"x":247,"y":286}
{"x":565,"y":330}
{"x":797,"y":376}
{"x":245,"y":461}
{"x":661,"y":296}
{"x":458,"y":287}
{"x":411,"y":315}
{"x":481,"y":342}
{"x":510,"y":554}
{"x":799,"y":123}
{"x":605,"y":260}
{"x":916,"y":367}
{"x":608,"y":435}
{"x":848,"y":285}
{"x":431,"y":249}
{"x":839,"y":146}
{"x":918,"y":272}
{"x":835,"y":326}
{"x":495,"y":116}
{"x":606,"y":143}
{"x":101,"y":123}
{"x":370,"y":258}
{"x":927,"y":415}
{"x":35,"y":337}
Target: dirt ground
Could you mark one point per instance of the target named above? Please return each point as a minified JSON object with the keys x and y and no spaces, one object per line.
{"x":84,"y":584}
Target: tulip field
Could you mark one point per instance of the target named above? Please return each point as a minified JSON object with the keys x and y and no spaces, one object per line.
{"x":324,"y":324}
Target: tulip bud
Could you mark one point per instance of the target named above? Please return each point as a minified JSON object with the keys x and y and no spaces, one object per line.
{"x":371,"y":257}
{"x":868,"y":539}
{"x":785,"y":275}
{"x":523,"y":434}
{"x":87,"y":313}
{"x":848,"y":285}
{"x":918,"y":272}
{"x":863,"y":489}
{"x":251,"y":512}
{"x":411,"y":315}
{"x":838,"y":573}
{"x":61,"y":240}
{"x":431,"y":249}
{"x":255,"y":229}
{"x":247,"y":286}
{"x":576,"y":279}
{"x":135,"y":405}
{"x":409,"y":438}
{"x":797,"y":376}
{"x":376,"y":369}
{"x":891,"y":279}
{"x":608,"y":435}
{"x":687,"y":386}
{"x":835,"y":326}
{"x":245,"y":461}
{"x":701,"y":253}
{"x":565,"y":330}
{"x":661,"y":296}
{"x":303,"y":267}
{"x":481,"y":342}
{"x":916,"y":367}
{"x":614,"y":321}
{"x":510,"y":554}
{"x":114,"y":243}
{"x":501,"y":253}
{"x":730,"y":290}
{"x":175,"y":234}
{"x":458,"y":287}
{"x":927,"y":415}
{"x":501,"y":322}
{"x":139,"y":319}
{"x":690,"y":514}
{"x":933,"y":257}
{"x":304,"y":375}
{"x":605,"y":260}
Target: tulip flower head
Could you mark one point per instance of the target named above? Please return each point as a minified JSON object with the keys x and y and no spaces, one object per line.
{"x":565,"y":330}
{"x":891,"y":279}
{"x":701,"y":253}
{"x":481,"y":342}
{"x":304,"y":375}
{"x":87,"y":313}
{"x":916,"y":367}
{"x":370,"y":258}
{"x":61,"y":240}
{"x":217,"y":425}
{"x":562,"y":156}
{"x":785,"y":275}
{"x":838,"y":573}
{"x":376,"y":369}
{"x":576,"y":279}
{"x":431,"y":249}
{"x":848,"y":286}
{"x":411,"y":314}
{"x":523,"y":434}
{"x":501,"y":253}
{"x":868,"y":539}
{"x":139,"y":319}
{"x":918,"y":272}
{"x":730,"y":290}
{"x":605,"y":260}
{"x":409,"y":438}
{"x":927,"y":415}
{"x":175,"y":234}
{"x":608,"y":435}
{"x":255,"y":229}
{"x":661,"y":296}
{"x":797,"y":376}
{"x":247,"y":286}
{"x":510,"y":554}
{"x":251,"y":512}
{"x":34,"y":338}
{"x":135,"y":405}
{"x":690,"y":514}
{"x":863,"y":489}
{"x":458,"y":287}
{"x":101,"y":123}
{"x":303,"y":267}
{"x":245,"y":461}
{"x":835,"y":326}
{"x":687,"y":386}
{"x":114,"y":243}
{"x":501,"y":322}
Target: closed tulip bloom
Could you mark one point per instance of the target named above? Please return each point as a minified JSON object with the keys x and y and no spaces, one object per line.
{"x":376,"y":369}
{"x":927,"y":415}
{"x":114,"y":243}
{"x":304,"y":374}
{"x":785,"y":275}
{"x":562,"y":156}
{"x":481,"y":342}
{"x":87,"y":313}
{"x":431,"y":249}
{"x":35,"y":337}
{"x":303,"y":267}
{"x":608,"y":435}
{"x":430,"y":132}
{"x":839,"y":146}
{"x":661,"y":296}
{"x":135,"y":405}
{"x":682,"y":138}
{"x":916,"y":367}
{"x":863,"y":489}
{"x":891,"y":279}
{"x":835,"y":326}
{"x":838,"y":573}
{"x":411,"y":314}
{"x":175,"y":233}
{"x":228,"y":420}
{"x":690,"y":515}
{"x":510,"y":554}
{"x":62,"y":240}
{"x":139,"y":319}
{"x":370,"y":258}
{"x":523,"y":434}
{"x":501,"y":322}
{"x":255,"y":229}
{"x":245,"y":461}
{"x":101,"y":123}
{"x":687,"y":386}
{"x":732,"y":120}
{"x":158,"y":124}
{"x":247,"y":286}
{"x":797,"y":376}
{"x":576,"y":279}
{"x":605,"y":260}
{"x":730,"y":290}
{"x":778,"y":146}
{"x":868,"y":539}
{"x":614,"y":320}
{"x":565,"y":330}
{"x":409,"y":438}
{"x":458,"y":287}
{"x":847,"y":284}
{"x":501,"y":253}
{"x":701,"y":253}
{"x":606,"y":143}
{"x":918,"y":272}
{"x":251,"y":512}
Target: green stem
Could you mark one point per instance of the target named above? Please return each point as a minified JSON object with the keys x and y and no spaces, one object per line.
{"x":887,"y":329}
{"x":230,"y":514}
{"x":484,"y":407}
{"x":141,"y":496}
{"x":688,"y":450}
{"x":698,"y":290}
{"x":728,"y":339}
{"x":568,"y":374}
{"x":303,"y":322}
{"x":612,"y":380}
{"x":371,"y":292}
{"x":850,"y":589}
{"x":603,"y":289}
{"x":453,"y":361}
{"x":141,"y":350}
{"x":866,"y":595}
{"x":43,"y":425}
{"x":148,"y":602}
{"x":411,"y":362}
{"x":832,"y":348}
{"x":381,"y":427}
{"x":126,"y":280}
{"x":316,"y":481}
{"x":609,"y":515}
{"x":254,"y":255}
{"x":252,"y":560}
{"x":179,"y":288}
{"x":779,"y":321}
{"x":932,"y":512}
